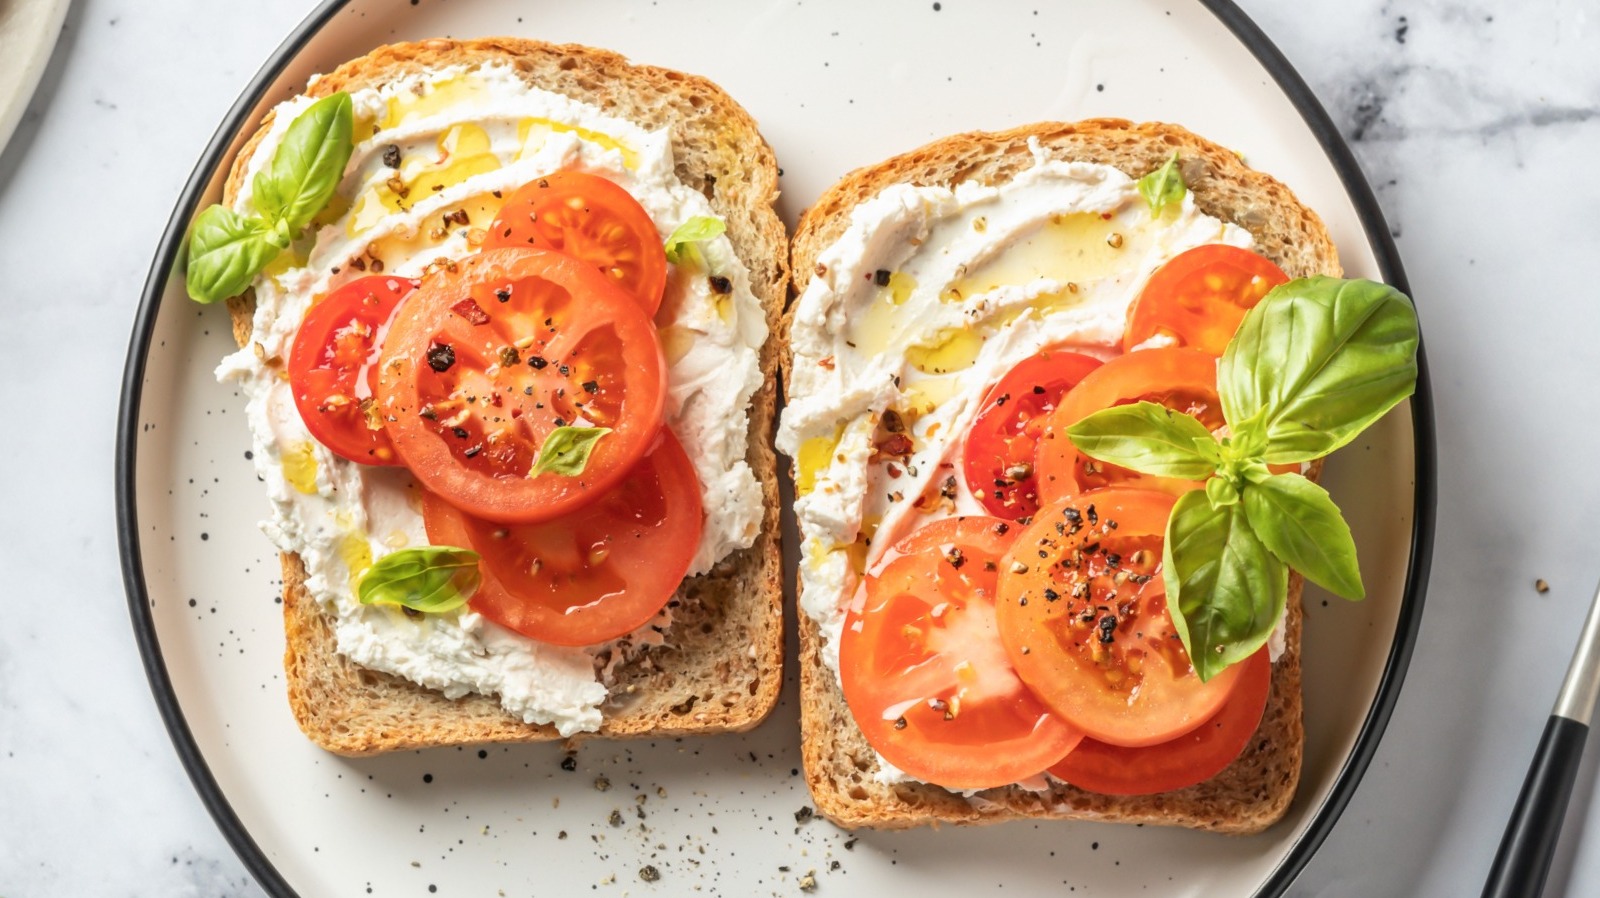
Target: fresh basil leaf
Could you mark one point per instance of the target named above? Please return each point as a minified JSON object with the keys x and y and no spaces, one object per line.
{"x":430,"y":579}
{"x":1146,"y":437}
{"x":700,"y":228}
{"x":1225,"y":590}
{"x":1300,"y":524}
{"x":1221,"y":491}
{"x":1317,"y":361}
{"x":1163,"y":186}
{"x":226,"y":250}
{"x":566,"y":450}
{"x":308,"y":164}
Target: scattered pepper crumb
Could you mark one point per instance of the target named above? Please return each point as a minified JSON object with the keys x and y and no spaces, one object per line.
{"x":649,"y":873}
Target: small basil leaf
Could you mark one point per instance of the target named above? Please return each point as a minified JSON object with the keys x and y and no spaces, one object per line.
{"x":1317,"y":361}
{"x":1163,"y":186}
{"x":1225,"y":591}
{"x":700,"y":228}
{"x":1148,"y":438}
{"x":1221,"y":491}
{"x":430,"y":579}
{"x":308,"y":164}
{"x":1298,"y":521}
{"x":226,"y":250}
{"x":566,"y":450}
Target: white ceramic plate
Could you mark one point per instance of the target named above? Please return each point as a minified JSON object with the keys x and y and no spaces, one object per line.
{"x":28,"y":31}
{"x":834,"y":84}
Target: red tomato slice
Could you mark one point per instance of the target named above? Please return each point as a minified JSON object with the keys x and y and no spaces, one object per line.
{"x":1192,"y":758}
{"x":923,"y":670}
{"x":331,"y":367}
{"x":593,"y":219}
{"x":595,"y":574}
{"x":999,"y":456}
{"x":483,"y":362}
{"x":1183,"y":380}
{"x":1082,"y":611}
{"x":1200,"y":296}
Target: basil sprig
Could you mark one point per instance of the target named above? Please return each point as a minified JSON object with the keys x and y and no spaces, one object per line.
{"x":430,"y":579}
{"x":1163,"y":186}
{"x":680,"y":244}
{"x":566,"y":450}
{"x":227,"y":250}
{"x":1312,"y":365}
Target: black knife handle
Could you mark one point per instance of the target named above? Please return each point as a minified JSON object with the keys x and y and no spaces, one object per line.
{"x":1523,"y":861}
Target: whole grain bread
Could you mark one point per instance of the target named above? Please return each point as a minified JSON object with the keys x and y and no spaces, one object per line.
{"x":1255,"y":790}
{"x":722,"y":665}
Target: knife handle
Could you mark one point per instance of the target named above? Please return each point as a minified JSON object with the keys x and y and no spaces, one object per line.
{"x":1523,"y":861}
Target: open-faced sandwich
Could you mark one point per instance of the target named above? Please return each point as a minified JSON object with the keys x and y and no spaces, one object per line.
{"x":1056,"y":401}
{"x":503,"y":310}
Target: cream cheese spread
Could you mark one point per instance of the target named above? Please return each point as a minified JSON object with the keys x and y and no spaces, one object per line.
{"x":462,"y":140}
{"x":930,"y":296}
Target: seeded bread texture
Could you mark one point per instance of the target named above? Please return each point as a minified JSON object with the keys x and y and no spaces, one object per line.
{"x":722,"y":665}
{"x":1255,"y":790}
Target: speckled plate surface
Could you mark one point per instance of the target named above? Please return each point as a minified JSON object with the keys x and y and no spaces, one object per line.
{"x":834,"y":84}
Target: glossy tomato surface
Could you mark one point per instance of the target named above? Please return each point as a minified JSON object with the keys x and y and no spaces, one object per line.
{"x":482,"y":363}
{"x":1199,"y":297}
{"x":592,"y":219}
{"x":1184,"y":380}
{"x":332,"y":367}
{"x":1194,"y":757}
{"x":998,"y":460}
{"x":596,"y":573}
{"x":923,"y":670}
{"x":1082,"y":612}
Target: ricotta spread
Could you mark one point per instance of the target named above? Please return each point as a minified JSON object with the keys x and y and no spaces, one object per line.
{"x":466,"y":139}
{"x":929,"y":297}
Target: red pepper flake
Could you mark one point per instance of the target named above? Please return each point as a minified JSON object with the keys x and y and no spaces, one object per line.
{"x":895,"y":445}
{"x":470,"y":310}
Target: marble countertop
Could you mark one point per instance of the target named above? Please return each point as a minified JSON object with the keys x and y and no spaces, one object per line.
{"x":1476,"y":126}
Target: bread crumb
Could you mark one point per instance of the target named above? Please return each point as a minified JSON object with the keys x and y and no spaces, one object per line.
{"x":808,"y":882}
{"x":1541,"y":586}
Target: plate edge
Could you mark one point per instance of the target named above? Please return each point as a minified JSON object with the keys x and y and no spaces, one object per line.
{"x":1424,"y":498}
{"x":127,"y":445}
{"x":1238,"y":24}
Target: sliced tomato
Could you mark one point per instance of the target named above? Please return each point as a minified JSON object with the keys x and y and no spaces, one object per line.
{"x":331,"y":367}
{"x":1184,"y":380}
{"x":1082,"y":611}
{"x":593,"y":219}
{"x":1194,"y":757}
{"x":1199,"y":297}
{"x":923,"y":670}
{"x":483,"y":362}
{"x":999,"y":456}
{"x":595,"y":574}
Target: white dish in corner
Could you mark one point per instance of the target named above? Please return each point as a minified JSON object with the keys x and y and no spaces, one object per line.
{"x":28,"y":32}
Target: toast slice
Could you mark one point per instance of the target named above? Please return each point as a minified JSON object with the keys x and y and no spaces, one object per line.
{"x":722,"y":665}
{"x":1255,"y":790}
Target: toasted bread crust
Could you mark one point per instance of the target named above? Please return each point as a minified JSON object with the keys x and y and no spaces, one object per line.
{"x":722,"y":667}
{"x":1255,"y":790}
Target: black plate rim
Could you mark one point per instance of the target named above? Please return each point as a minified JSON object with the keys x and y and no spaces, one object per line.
{"x":167,"y":253}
